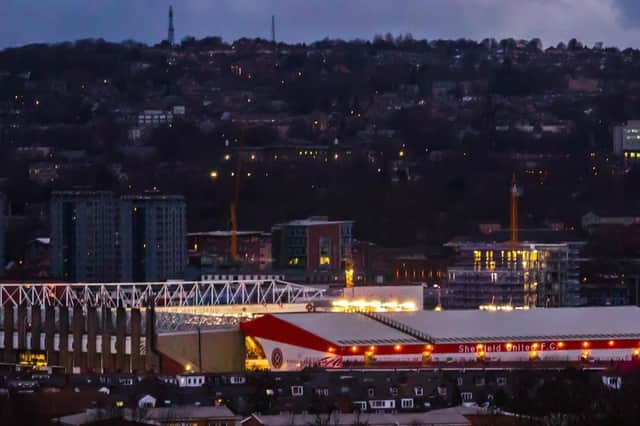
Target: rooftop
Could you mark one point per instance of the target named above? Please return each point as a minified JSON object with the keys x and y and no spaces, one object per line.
{"x":532,"y":324}
{"x":468,"y":325}
{"x":454,"y":416}
{"x":525,"y":236}
{"x":314,"y":221}
{"x":188,"y":413}
{"x":347,"y":328}
{"x":222,"y":234}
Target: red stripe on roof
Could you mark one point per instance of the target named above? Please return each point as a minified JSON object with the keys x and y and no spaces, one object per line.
{"x":273,"y":328}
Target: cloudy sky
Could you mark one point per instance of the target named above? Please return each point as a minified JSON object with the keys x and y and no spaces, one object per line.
{"x":614,"y":22}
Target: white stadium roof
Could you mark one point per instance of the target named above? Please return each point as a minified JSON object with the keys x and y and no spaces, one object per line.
{"x":538,"y":323}
{"x":348,"y":328}
{"x":471,"y":325}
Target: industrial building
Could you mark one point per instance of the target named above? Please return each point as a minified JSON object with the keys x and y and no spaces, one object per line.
{"x":447,"y":338}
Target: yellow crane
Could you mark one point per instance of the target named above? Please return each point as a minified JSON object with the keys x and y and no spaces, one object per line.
{"x":233,"y":204}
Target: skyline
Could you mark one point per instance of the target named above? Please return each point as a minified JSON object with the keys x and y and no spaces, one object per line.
{"x":613,"y":22}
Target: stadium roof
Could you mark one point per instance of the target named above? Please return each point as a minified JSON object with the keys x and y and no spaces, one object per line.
{"x":348,"y":329}
{"x":532,"y":324}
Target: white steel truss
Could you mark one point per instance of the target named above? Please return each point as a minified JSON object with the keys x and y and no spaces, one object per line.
{"x":163,"y":294}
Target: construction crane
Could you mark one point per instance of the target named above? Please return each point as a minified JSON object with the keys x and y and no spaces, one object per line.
{"x":514,"y":210}
{"x":233,"y":215}
{"x":233,"y":204}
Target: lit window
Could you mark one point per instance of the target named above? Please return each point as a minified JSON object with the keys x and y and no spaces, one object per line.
{"x":466,"y":396}
{"x":406,"y":403}
{"x":325,"y":260}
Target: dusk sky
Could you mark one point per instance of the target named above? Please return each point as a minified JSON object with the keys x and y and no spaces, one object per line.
{"x":614,"y":22}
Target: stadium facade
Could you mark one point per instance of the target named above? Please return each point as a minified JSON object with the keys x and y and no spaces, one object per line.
{"x":427,"y":338}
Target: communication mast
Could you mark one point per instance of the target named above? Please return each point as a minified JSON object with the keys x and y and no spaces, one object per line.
{"x":171,"y":31}
{"x":273,"y":29}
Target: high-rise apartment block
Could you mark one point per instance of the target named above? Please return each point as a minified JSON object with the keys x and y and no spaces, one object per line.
{"x":152,"y":231}
{"x":3,"y":226}
{"x":97,"y":237}
{"x":83,"y":236}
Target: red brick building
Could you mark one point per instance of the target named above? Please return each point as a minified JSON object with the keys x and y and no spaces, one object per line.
{"x":317,"y":247}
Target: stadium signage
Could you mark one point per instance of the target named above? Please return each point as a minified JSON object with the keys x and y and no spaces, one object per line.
{"x":507,"y":347}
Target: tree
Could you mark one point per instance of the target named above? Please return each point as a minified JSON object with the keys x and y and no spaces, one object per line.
{"x":574,"y":45}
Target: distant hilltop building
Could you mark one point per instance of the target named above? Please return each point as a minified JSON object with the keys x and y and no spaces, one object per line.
{"x":626,"y":140}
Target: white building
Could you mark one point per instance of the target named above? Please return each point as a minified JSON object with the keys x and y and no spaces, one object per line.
{"x":154,"y":117}
{"x":626,"y":140}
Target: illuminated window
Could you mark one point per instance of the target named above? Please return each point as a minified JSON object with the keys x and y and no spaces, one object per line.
{"x":325,"y":251}
{"x":294,"y":261}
